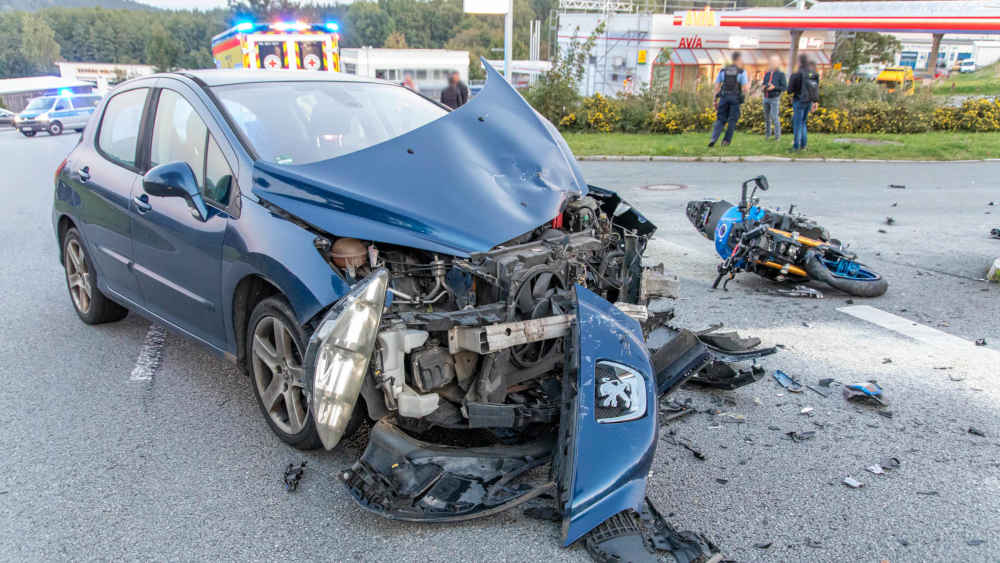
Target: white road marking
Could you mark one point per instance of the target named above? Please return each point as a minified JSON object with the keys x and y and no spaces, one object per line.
{"x":916,"y":331}
{"x":151,"y":354}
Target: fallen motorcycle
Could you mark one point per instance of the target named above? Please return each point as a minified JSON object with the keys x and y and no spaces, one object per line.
{"x":779,"y":246}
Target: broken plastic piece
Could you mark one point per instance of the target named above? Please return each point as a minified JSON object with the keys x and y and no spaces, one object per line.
{"x":876,"y":469}
{"x":787,"y":382}
{"x":853,"y":483}
{"x":806,"y":410}
{"x":801,"y":436}
{"x":868,"y":392}
{"x":980,"y":342}
{"x":898,"y":186}
{"x":799,"y":291}
{"x":817,"y":391}
{"x":293,"y":474}
{"x":977,"y":432}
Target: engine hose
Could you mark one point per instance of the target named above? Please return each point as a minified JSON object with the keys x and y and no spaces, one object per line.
{"x":818,"y":271}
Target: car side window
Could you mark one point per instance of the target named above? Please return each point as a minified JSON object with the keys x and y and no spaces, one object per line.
{"x":119,"y":133}
{"x":61,"y":105}
{"x":218,"y":175}
{"x":178,"y":134}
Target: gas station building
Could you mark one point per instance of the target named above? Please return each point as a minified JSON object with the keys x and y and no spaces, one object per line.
{"x":678,"y":50}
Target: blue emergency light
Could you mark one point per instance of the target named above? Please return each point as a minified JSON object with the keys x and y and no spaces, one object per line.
{"x":244,"y":26}
{"x":65,"y":92}
{"x":333,"y":26}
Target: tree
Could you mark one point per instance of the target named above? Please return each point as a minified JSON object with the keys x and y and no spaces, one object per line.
{"x":263,"y":10}
{"x":556,"y":92}
{"x":368,"y":24}
{"x":162,"y":50}
{"x":396,"y":40}
{"x":38,"y":43}
{"x":856,"y":49}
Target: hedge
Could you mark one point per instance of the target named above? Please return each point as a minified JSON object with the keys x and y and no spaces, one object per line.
{"x":897,"y":114}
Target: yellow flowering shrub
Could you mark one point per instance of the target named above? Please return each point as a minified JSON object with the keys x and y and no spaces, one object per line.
{"x":602,"y":113}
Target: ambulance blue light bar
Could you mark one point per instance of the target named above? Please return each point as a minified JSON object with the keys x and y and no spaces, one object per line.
{"x":244,"y":26}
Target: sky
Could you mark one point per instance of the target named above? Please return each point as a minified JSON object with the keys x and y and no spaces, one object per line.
{"x":200,"y":4}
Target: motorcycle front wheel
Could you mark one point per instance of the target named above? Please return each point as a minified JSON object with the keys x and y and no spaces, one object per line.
{"x":850,"y":277}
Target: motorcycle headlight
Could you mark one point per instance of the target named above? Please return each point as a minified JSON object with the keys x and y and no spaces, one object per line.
{"x":338,"y":353}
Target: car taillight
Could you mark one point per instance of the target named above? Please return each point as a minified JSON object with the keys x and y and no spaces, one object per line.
{"x":59,"y":170}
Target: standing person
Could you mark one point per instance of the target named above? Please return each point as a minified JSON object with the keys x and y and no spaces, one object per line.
{"x":730,"y":88}
{"x":804,"y":86}
{"x":774,"y":84}
{"x":456,"y":94}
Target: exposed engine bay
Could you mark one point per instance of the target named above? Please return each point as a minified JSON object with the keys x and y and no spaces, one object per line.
{"x":476,"y":343}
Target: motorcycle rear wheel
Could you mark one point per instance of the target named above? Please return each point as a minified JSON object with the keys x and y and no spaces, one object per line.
{"x":866,"y":283}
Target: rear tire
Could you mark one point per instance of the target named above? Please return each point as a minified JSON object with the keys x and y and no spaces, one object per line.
{"x":81,"y":280}
{"x":55,"y":128}
{"x":858,"y":288}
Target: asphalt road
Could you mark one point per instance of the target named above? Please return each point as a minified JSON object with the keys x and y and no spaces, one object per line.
{"x":96,"y":466}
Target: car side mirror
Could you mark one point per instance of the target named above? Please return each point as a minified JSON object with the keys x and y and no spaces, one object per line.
{"x":176,"y":179}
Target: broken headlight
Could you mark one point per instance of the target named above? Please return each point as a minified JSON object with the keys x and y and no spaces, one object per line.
{"x":338,"y":353}
{"x":621,"y":393}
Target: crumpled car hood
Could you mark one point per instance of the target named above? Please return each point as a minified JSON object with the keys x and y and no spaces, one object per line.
{"x":479,"y":176}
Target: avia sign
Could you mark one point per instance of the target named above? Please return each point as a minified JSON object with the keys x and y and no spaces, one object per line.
{"x":693,"y":42}
{"x":702,"y":18}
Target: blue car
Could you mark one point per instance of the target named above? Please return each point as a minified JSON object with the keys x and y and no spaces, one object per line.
{"x":360,"y":251}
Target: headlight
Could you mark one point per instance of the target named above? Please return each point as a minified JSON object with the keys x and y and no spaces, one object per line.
{"x":338,"y":352}
{"x":621,"y":393}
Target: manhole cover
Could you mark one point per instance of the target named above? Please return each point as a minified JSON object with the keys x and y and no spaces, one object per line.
{"x":665,"y":187}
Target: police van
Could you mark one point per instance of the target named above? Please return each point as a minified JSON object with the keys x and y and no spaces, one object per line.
{"x":55,"y":114}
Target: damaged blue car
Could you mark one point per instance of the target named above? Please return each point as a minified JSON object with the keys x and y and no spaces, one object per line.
{"x":362,"y":252}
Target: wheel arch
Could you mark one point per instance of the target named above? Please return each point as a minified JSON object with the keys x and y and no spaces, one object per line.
{"x":250,"y":291}
{"x":63,"y":224}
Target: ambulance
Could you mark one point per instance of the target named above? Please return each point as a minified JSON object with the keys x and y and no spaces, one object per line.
{"x":280,"y":45}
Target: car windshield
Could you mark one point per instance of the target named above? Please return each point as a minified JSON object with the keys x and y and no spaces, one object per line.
{"x":304,"y":122}
{"x":40,"y":103}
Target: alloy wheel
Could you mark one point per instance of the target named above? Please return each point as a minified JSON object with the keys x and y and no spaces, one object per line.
{"x":278,"y":375}
{"x":78,"y":276}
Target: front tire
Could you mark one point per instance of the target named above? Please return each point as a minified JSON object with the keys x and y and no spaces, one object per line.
{"x":81,"y":280}
{"x":277,"y":346}
{"x":55,"y":128}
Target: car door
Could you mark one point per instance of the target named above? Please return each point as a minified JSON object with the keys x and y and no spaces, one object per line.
{"x":104,"y":174}
{"x":178,"y":253}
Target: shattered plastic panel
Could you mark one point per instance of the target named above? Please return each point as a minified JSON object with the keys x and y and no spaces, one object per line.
{"x":601,"y":468}
{"x":481,"y":175}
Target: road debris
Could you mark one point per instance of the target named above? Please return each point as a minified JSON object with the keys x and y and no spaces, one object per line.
{"x":631,"y":536}
{"x":977,"y":432}
{"x":853,"y":483}
{"x":827,"y":381}
{"x":763,"y":545}
{"x":975,"y":542}
{"x":815,"y":544}
{"x":897,"y":186}
{"x":672,"y":439}
{"x":980,"y":342}
{"x":817,"y":391}
{"x":806,"y":410}
{"x":890,"y":221}
{"x":876,"y":469}
{"x":787,"y":382}
{"x":883,"y":231}
{"x":995,"y":233}
{"x":721,"y":481}
{"x":801,"y":436}
{"x":293,"y":474}
{"x":886,"y":360}
{"x":798,"y":291}
{"x":870,"y":392}
{"x":887,"y":464}
{"x":928,"y":493}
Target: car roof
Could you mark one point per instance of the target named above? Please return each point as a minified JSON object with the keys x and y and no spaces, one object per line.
{"x":223,"y":77}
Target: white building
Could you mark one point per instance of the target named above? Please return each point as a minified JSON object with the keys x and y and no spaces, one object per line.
{"x":678,"y":50}
{"x":983,"y":49}
{"x":103,"y":75}
{"x":523,"y":73}
{"x":429,"y":68}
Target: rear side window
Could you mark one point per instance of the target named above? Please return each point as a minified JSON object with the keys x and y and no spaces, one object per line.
{"x":119,"y":133}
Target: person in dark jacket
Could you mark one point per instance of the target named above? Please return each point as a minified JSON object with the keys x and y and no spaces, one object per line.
{"x":774,"y":84}
{"x":731,"y":86}
{"x":804,"y":87}
{"x":456,"y":94}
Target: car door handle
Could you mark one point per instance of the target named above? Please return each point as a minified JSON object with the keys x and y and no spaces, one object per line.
{"x":84,"y":173}
{"x":142,"y":203}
